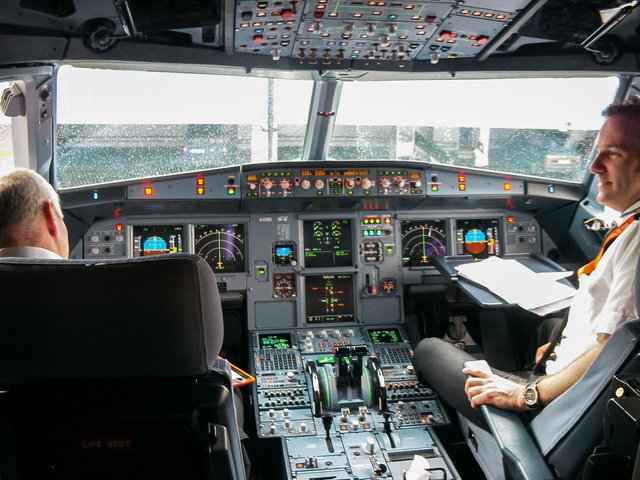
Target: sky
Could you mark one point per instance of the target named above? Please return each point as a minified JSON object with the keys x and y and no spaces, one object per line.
{"x":123,"y":97}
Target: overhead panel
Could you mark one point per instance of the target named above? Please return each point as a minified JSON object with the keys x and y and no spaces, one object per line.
{"x":323,"y":31}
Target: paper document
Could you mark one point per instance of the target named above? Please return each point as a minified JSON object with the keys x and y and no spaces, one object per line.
{"x":515,"y":283}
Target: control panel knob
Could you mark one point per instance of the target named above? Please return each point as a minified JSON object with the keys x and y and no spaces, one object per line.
{"x":119,"y":237}
{"x":355,"y":425}
{"x":272,"y":413}
{"x":350,"y":183}
{"x":323,"y":334}
{"x":310,"y":334}
{"x":287,"y":424}
{"x":370,"y":446}
{"x":285,"y":184}
{"x":400,"y":406}
{"x":94,"y":250}
{"x":410,"y":370}
{"x":366,"y":183}
{"x":401,"y":182}
{"x":303,"y":427}
{"x":252,"y":186}
{"x":268,"y":184}
{"x":319,"y":184}
{"x":349,"y":332}
{"x":417,"y":183}
{"x":286,"y":412}
{"x":385,"y":183}
{"x":95,"y":238}
{"x":305,"y":184}
{"x":291,"y":377}
{"x":336,"y":333}
{"x":273,"y":429}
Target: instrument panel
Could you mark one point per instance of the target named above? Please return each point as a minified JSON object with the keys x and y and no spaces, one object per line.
{"x":302,"y":269}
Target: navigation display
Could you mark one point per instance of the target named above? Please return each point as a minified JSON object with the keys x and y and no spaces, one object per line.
{"x":388,"y":335}
{"x":479,"y":237}
{"x":221,"y":245}
{"x":157,"y":239}
{"x":274,"y":341}
{"x":423,"y":240}
{"x":329,"y":298}
{"x":327,"y":243}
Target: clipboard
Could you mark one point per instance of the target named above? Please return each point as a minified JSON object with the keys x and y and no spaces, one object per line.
{"x":239,"y":378}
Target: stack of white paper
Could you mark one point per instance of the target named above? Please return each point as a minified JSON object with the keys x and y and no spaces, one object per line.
{"x":515,"y":283}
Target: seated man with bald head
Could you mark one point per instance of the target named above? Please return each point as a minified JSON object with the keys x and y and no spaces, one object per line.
{"x":31,"y":219}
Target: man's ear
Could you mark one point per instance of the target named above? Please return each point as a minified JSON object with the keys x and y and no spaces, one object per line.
{"x":51,"y":218}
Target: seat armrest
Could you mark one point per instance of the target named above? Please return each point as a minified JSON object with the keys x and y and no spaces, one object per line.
{"x":521,"y":457}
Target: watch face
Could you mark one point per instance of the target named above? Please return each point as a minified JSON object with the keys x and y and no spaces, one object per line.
{"x":531,"y":396}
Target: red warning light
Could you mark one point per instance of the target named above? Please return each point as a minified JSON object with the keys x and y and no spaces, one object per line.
{"x":200,"y":181}
{"x":148,"y":191}
{"x":119,"y":227}
{"x":511,"y":219}
{"x":462,"y":178}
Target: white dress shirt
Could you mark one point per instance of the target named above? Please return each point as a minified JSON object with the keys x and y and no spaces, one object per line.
{"x":28,"y":252}
{"x":605,"y":298}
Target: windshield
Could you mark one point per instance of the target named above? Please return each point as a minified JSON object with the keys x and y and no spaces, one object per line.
{"x":121,"y":125}
{"x":543,"y":126}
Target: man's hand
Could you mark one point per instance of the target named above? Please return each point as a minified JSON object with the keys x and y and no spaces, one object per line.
{"x":490,"y":389}
{"x":540,"y":351}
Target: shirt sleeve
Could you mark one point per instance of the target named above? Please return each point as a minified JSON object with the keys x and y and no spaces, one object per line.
{"x":619,"y":303}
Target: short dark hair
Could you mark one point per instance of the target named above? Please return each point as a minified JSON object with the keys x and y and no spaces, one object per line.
{"x":631,"y":107}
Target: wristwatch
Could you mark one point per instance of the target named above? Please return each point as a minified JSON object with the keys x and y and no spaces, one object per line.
{"x":531,"y":398}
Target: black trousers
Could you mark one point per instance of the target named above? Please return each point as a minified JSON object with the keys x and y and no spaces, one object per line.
{"x":439,"y":365}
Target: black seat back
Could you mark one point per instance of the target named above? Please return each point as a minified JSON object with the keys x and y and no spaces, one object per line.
{"x":110,"y":371}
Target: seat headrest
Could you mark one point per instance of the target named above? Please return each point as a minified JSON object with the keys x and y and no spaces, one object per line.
{"x":134,"y":318}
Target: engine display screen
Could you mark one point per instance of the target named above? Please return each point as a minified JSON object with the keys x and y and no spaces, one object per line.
{"x":157,"y":239}
{"x":479,"y":237}
{"x":422,"y":240}
{"x":388,"y":335}
{"x":274,"y":341}
{"x":221,"y":245}
{"x":327,"y":243}
{"x":329,"y":298}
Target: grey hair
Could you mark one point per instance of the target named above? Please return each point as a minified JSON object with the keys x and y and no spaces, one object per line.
{"x":22,"y":195}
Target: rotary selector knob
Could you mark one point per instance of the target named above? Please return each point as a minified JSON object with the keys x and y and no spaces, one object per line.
{"x":319,"y":184}
{"x":285,"y":184}
{"x":268,"y":184}
{"x":385,"y":183}
{"x":95,"y":238}
{"x":366,"y":183}
{"x":305,"y":184}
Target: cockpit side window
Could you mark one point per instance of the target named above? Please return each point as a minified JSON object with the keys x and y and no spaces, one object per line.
{"x":6,"y":135}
